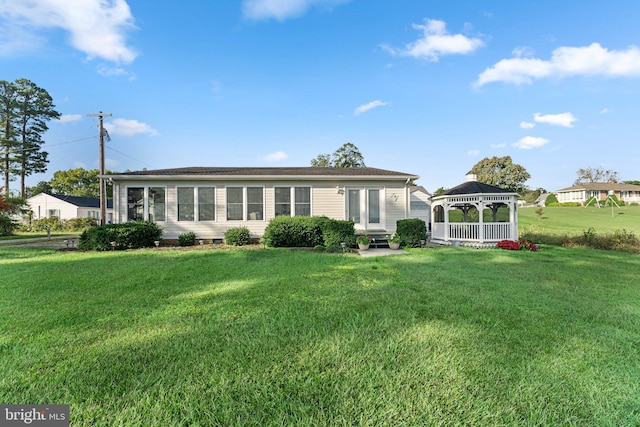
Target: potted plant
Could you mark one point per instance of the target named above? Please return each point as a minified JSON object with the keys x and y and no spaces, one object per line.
{"x":363,"y":242}
{"x":394,"y":241}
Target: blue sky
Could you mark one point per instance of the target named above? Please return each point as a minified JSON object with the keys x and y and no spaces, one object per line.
{"x":423,"y":87}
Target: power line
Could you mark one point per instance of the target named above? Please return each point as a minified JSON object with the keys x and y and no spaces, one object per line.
{"x":51,"y":145}
{"x":129,"y":157}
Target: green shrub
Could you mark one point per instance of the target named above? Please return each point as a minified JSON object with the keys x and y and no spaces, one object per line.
{"x":550,"y":200}
{"x":319,"y":248}
{"x":569,"y":204}
{"x":78,"y":224}
{"x":130,"y":235}
{"x":7,"y":225}
{"x":294,"y":232}
{"x":309,"y":232}
{"x":237,"y":236}
{"x":335,"y":232}
{"x":46,"y":224}
{"x":187,"y":239}
{"x":411,"y":231}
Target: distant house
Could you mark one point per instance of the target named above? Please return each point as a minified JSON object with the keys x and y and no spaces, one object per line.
{"x":45,"y":205}
{"x":628,"y":193}
{"x":210,"y":200}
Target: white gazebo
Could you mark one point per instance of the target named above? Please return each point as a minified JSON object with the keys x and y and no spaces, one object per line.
{"x":474,"y":214}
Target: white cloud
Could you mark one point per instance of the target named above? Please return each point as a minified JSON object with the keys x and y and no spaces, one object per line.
{"x":565,"y":119}
{"x":606,"y":111}
{"x":282,"y":9}
{"x":523,"y":51}
{"x":68,"y":118}
{"x":366,"y":107}
{"x":498,"y":145}
{"x":529,"y":142}
{"x":527,"y":125}
{"x":436,"y":42}
{"x":106,"y":71}
{"x":276,"y":157}
{"x":96,"y":27}
{"x":126,"y":127}
{"x":592,"y":60}
{"x":473,"y":153}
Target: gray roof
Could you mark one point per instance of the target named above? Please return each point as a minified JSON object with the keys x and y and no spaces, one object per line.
{"x":475,"y":187}
{"x":602,"y":186}
{"x":84,"y":202}
{"x":269,"y":172}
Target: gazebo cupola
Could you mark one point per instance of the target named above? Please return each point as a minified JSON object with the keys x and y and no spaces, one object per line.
{"x":474,"y":214}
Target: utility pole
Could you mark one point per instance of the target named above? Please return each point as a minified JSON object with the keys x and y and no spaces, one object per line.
{"x":103,"y":188}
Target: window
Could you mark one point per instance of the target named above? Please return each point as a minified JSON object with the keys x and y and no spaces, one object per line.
{"x":374,"y":206}
{"x":206,"y":204}
{"x":53,"y":212}
{"x":186,"y":204}
{"x":353,"y":212}
{"x":303,"y":201}
{"x":366,"y":208}
{"x":283,"y":201}
{"x":235,"y":200}
{"x":157,"y":204}
{"x":135,"y":204}
{"x":146,"y":203}
{"x":245,"y":203}
{"x":255,"y":203}
{"x":296,"y":200}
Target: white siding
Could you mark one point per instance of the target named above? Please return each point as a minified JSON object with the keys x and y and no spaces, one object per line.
{"x":327,"y":198}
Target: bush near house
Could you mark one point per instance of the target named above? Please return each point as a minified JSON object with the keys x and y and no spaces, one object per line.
{"x":411,"y":231}
{"x":237,"y":236}
{"x":130,"y":235}
{"x":309,"y":232}
{"x":187,"y":239}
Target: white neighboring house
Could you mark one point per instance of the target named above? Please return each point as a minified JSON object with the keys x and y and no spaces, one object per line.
{"x":46,"y":205}
{"x":628,"y":193}
{"x":210,"y":200}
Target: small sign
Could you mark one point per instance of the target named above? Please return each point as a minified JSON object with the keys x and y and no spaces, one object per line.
{"x":34,"y":415}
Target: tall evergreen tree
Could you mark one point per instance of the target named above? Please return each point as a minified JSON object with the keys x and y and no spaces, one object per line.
{"x":34,"y":109}
{"x":8,"y":140}
{"x":25,"y":110}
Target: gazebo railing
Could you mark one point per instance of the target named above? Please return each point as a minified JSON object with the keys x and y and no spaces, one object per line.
{"x":497,"y":231}
{"x":464,"y":231}
{"x":470,"y":232}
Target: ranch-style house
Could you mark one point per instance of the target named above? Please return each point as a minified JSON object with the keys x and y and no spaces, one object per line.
{"x":210,"y":200}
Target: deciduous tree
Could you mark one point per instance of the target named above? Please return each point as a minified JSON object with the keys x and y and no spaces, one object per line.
{"x":502,"y":172}
{"x":79,"y":182}
{"x":592,"y":174}
{"x":347,"y":156}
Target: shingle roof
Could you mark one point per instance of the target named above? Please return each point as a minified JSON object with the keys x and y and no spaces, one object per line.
{"x":85,"y":202}
{"x":602,"y":186}
{"x":268,"y":171}
{"x":474,"y":187}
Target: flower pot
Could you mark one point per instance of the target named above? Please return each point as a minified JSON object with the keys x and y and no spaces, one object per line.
{"x":394,"y":245}
{"x":363,"y":247}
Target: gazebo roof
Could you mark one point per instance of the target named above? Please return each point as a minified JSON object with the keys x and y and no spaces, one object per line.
{"x":475,"y":187}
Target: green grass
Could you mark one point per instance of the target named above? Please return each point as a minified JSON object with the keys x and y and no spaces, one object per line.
{"x":443,"y":336}
{"x":24,"y":235}
{"x":575,"y":220}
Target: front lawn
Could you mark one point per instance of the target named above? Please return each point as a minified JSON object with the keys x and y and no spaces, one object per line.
{"x":574,"y":221}
{"x":453,"y":336}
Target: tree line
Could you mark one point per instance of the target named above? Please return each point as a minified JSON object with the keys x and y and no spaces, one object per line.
{"x":25,"y":109}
